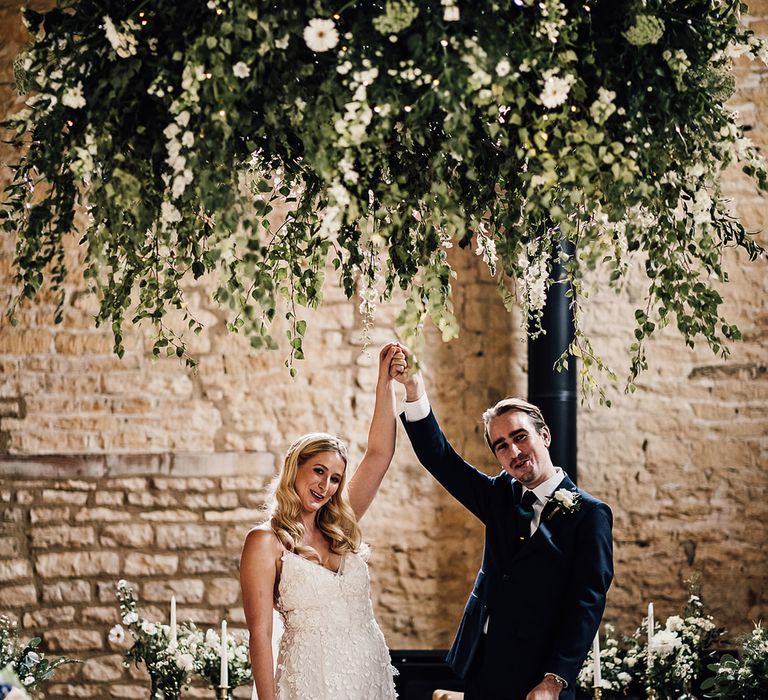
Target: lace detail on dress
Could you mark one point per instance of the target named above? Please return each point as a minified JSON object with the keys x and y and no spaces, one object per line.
{"x":332,"y":648}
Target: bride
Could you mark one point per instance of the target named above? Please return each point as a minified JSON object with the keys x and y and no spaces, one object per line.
{"x":307,"y":562}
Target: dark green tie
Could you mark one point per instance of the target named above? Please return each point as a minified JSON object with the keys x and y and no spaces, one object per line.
{"x":525,"y":515}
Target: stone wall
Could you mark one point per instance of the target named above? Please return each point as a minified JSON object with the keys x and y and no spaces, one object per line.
{"x":144,"y":470}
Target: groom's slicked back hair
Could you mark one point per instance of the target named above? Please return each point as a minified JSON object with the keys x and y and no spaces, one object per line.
{"x":509,"y":405}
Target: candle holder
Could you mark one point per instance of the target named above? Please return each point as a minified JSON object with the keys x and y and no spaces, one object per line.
{"x":650,"y":693}
{"x":224,"y":692}
{"x":597,"y":693}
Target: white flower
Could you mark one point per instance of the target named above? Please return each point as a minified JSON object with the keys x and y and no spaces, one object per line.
{"x":187,"y":139}
{"x":117,"y":634}
{"x":182,"y":119}
{"x":171,"y":130}
{"x":169,"y":215}
{"x":321,"y":35}
{"x":146,"y":626}
{"x":664,"y":642}
{"x":73,"y":97}
{"x":451,"y":13}
{"x":130,"y":618}
{"x":241,"y":70}
{"x":282,"y":44}
{"x":32,"y":657}
{"x":503,"y":67}
{"x":556,"y":89}
{"x":566,"y":497}
{"x":185,"y":661}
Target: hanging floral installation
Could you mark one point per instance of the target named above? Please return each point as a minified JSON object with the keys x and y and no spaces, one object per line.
{"x":389,"y":131}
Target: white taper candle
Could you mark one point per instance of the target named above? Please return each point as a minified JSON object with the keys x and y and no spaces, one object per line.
{"x":173,"y":620}
{"x":224,"y":676}
{"x":596,"y":659}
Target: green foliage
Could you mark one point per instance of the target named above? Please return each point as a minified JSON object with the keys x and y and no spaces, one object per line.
{"x":743,"y":678}
{"x":188,"y":130}
{"x":26,"y":660}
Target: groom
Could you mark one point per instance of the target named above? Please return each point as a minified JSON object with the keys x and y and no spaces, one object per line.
{"x":540,"y":593}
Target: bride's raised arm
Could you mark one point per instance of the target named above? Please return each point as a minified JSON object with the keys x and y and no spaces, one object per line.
{"x":381,"y":435}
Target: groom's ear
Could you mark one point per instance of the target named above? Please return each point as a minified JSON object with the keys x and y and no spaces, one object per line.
{"x":546,"y":435}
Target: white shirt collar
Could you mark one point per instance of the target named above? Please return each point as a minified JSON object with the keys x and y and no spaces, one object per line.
{"x":546,"y":488}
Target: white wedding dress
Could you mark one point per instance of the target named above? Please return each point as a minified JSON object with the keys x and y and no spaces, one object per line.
{"x":331,"y":648}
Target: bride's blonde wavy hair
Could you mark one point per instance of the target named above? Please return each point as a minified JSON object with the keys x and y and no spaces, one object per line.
{"x":336,"y":518}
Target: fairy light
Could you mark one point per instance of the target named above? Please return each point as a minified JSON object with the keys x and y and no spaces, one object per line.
{"x":222,"y":113}
{"x":443,"y":42}
{"x":573,"y":108}
{"x":435,"y":82}
{"x":219,"y":11}
{"x":407,"y":108}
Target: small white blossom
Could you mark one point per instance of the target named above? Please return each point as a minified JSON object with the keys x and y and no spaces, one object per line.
{"x":241,"y":70}
{"x":117,"y":634}
{"x":130,"y":618}
{"x":321,"y":35}
{"x":451,"y":13}
{"x":73,"y":97}
{"x":556,"y":89}
{"x":503,"y":67}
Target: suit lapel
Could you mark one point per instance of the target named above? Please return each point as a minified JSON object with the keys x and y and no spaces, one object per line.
{"x":543,"y":535}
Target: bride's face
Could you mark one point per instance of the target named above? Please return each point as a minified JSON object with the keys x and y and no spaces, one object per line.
{"x":318,"y":479}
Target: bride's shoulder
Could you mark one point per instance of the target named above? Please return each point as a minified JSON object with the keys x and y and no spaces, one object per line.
{"x":262,"y":541}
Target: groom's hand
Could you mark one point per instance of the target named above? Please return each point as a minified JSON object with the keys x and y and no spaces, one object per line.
{"x":548,"y":689}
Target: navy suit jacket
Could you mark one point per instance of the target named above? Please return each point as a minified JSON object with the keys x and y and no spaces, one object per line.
{"x":544,"y":598}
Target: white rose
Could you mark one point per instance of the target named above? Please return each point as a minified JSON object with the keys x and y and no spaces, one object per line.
{"x":185,"y":661}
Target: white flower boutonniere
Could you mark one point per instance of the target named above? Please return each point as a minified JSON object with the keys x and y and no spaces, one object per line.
{"x":564,"y":500}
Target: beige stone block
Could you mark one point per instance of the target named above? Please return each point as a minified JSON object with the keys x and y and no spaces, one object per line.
{"x":18,"y":341}
{"x":85,"y":515}
{"x":211,"y":500}
{"x":126,"y":484}
{"x":128,"y":692}
{"x":128,"y":535}
{"x":103,"y":668}
{"x":72,"y":640}
{"x":153,"y":500}
{"x":184,"y":485}
{"x":83,"y":344}
{"x":24,"y":596}
{"x":204,"y":563}
{"x":47,"y":515}
{"x":71,"y":564}
{"x":67,"y":592}
{"x":170,"y":516}
{"x":12,"y":569}
{"x":100,"y":615}
{"x":48,"y":617}
{"x":57,"y":496}
{"x":74,"y":690}
{"x":109,"y":498}
{"x":12,"y":515}
{"x":10,"y":546}
{"x":249,"y":515}
{"x":188,"y":536}
{"x":61,"y":536}
{"x":186,"y":590}
{"x":150,"y":564}
{"x":222,"y":591}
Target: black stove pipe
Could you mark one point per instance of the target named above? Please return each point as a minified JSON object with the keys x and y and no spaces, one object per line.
{"x":555,"y":392}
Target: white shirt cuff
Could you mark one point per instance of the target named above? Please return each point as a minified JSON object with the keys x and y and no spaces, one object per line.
{"x":416,"y":410}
